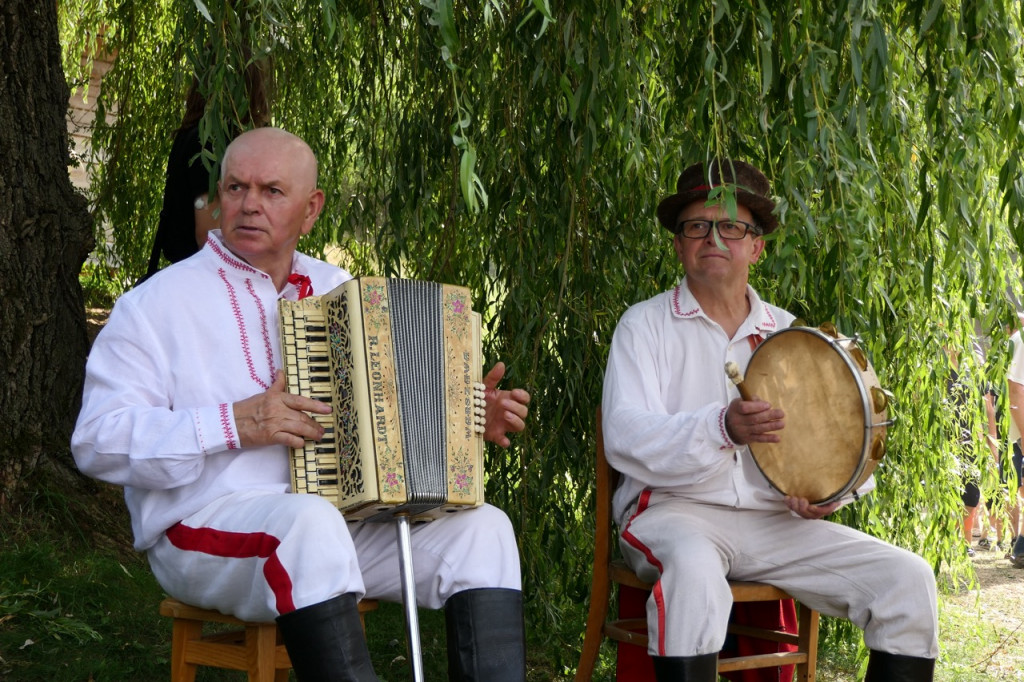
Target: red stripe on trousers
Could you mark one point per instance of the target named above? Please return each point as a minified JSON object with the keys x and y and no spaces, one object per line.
{"x":233,"y":545}
{"x":659,"y":597}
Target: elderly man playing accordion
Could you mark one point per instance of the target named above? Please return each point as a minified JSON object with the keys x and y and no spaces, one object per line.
{"x":693,"y":508}
{"x":185,"y":406}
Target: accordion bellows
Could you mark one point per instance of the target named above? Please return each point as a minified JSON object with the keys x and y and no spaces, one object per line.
{"x":399,"y":362}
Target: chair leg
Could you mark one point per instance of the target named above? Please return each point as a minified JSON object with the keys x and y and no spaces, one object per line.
{"x":182,"y":632}
{"x":599,"y":598}
{"x":808,"y":672}
{"x":281,"y":674}
{"x":260,"y":650}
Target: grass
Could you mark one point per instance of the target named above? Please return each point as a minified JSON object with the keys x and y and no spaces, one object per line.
{"x":981,"y":625}
{"x":92,"y":617}
{"x":70,"y":599}
{"x":72,"y":616}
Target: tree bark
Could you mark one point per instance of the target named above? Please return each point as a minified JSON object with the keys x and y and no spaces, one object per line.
{"x":45,"y":237}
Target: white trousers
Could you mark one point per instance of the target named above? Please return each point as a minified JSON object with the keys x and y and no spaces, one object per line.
{"x":256,"y":555}
{"x":690,"y":551}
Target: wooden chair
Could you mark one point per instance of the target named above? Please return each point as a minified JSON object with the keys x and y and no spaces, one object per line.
{"x":253,"y":647}
{"x":609,"y":570}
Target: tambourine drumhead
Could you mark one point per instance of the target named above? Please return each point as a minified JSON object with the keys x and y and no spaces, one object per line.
{"x":833,"y":431}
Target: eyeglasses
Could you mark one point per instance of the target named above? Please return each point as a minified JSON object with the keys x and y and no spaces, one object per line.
{"x":727,"y":229}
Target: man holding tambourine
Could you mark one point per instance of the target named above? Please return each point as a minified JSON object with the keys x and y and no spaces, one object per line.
{"x":694,"y":507}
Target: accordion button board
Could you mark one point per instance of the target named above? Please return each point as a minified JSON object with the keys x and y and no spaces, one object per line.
{"x":399,"y":362}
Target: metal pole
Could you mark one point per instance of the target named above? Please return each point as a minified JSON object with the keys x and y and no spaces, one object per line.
{"x":412,"y":619}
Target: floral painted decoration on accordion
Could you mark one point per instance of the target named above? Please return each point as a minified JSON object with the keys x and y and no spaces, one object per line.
{"x":392,"y":481}
{"x":459,"y":308}
{"x":461,"y":476}
{"x":375,"y":306}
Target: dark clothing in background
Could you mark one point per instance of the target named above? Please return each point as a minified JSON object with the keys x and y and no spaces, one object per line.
{"x":186,"y":179}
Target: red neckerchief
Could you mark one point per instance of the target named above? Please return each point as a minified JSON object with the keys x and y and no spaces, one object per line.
{"x":303,"y":283}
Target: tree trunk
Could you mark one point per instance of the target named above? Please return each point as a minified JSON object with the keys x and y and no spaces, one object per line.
{"x":45,"y":236}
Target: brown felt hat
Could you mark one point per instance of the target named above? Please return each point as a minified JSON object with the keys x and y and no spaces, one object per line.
{"x":694,"y":185}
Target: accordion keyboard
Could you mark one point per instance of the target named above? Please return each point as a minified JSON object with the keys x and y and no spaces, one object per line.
{"x":304,"y":346}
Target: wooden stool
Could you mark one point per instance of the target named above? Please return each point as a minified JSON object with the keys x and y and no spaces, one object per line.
{"x":253,"y":647}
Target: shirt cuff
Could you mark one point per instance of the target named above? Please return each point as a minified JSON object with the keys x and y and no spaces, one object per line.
{"x":215,"y":428}
{"x":720,"y":432}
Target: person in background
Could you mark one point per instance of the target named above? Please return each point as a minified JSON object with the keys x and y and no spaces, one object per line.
{"x":693,"y":508}
{"x":962,"y":391}
{"x":188,"y":212}
{"x":996,"y":519}
{"x":1015,"y":403}
{"x":185,"y":406}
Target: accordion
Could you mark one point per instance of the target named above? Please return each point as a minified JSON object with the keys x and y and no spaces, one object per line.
{"x":399,"y":362}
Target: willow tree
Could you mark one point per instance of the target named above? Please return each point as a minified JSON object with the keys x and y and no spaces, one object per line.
{"x":520,"y":149}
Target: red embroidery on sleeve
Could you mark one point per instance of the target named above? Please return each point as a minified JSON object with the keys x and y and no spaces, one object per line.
{"x":729,"y":445}
{"x":225,"y":424}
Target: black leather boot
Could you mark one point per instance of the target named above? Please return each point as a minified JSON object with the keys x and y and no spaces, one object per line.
{"x":702,"y":668}
{"x":886,"y":667}
{"x":326,"y":642}
{"x":486,"y":636}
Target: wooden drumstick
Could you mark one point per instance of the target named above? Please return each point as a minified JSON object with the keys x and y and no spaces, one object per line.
{"x":733,"y":370}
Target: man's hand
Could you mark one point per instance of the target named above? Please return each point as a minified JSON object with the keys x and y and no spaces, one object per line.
{"x":802,"y":507}
{"x":753,"y":421}
{"x":506,"y":410}
{"x":278,"y":417}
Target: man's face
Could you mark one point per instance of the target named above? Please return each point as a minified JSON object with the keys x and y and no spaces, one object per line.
{"x":267,"y":201}
{"x":713,"y":260}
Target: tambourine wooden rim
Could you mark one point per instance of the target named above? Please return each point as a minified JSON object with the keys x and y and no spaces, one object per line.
{"x":835,"y":413}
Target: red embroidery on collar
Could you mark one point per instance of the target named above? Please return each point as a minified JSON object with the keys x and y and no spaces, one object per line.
{"x":230,"y":259}
{"x":302,"y":283}
{"x":771,"y":323}
{"x":677,"y":308}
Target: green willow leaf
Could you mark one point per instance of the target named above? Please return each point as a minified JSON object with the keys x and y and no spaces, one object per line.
{"x":721,"y":10}
{"x":544,"y":9}
{"x":201,"y":6}
{"x":467,"y":177}
{"x":929,"y":19}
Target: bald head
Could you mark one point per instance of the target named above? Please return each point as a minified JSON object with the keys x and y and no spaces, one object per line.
{"x":268,"y":199}
{"x":288,"y":147}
